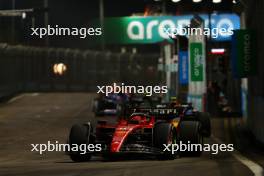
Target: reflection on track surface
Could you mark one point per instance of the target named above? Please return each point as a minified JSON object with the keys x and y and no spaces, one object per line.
{"x":37,"y":118}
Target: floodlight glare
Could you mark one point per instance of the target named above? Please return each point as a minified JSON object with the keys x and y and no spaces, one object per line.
{"x":24,"y":15}
{"x":217,"y":1}
{"x":197,"y":1}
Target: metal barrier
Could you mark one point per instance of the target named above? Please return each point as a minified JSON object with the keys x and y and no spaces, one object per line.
{"x":24,"y":68}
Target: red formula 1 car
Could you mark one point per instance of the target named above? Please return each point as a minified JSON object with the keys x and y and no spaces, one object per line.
{"x":145,"y":131}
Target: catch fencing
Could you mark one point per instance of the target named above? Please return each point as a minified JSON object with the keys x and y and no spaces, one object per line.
{"x":31,"y":69}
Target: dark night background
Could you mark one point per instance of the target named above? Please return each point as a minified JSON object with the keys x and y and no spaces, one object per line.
{"x":80,"y":13}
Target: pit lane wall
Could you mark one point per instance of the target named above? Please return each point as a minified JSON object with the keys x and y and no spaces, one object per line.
{"x":255,"y":105}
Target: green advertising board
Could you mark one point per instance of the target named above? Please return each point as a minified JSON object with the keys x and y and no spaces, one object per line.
{"x":244,"y":61}
{"x":130,"y":30}
{"x":196,"y":61}
{"x":120,"y":27}
{"x":153,"y":29}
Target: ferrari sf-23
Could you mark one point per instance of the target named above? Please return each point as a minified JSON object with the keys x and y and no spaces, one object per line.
{"x":145,"y":131}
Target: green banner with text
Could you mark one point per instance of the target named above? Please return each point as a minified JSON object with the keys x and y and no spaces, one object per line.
{"x":153,"y":29}
{"x":244,"y":60}
{"x":196,"y":61}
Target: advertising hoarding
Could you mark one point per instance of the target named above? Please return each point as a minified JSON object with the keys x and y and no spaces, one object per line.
{"x":244,"y":62}
{"x":150,"y":29}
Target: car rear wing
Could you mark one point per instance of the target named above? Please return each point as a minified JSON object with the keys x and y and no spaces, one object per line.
{"x":163,"y":112}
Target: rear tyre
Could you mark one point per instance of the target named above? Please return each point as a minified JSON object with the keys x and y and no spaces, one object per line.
{"x":97,"y":104}
{"x":79,"y":134}
{"x":165,"y":133}
{"x":120,"y":110}
{"x":189,"y":133}
{"x":204,"y":118}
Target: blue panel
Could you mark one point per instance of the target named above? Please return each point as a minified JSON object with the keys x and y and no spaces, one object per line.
{"x":183,"y":67}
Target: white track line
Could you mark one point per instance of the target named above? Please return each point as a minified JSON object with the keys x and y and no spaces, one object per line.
{"x":21,"y":96}
{"x":253,"y":166}
{"x":16,"y":98}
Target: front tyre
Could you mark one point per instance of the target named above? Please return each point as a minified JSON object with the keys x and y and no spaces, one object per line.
{"x":79,"y":135}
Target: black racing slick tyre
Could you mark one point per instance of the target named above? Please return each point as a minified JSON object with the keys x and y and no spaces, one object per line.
{"x":190,"y":135}
{"x":164,"y":133}
{"x":204,"y":118}
{"x":79,"y":134}
{"x":120,"y":108}
{"x":97,"y":106}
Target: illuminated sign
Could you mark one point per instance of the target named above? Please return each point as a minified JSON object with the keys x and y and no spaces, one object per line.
{"x":130,"y":30}
{"x":196,"y":61}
